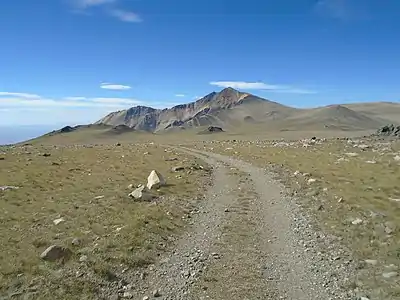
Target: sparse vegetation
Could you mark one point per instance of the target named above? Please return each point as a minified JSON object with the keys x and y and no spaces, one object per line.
{"x":107,"y":231}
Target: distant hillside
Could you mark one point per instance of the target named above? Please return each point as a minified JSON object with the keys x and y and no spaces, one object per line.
{"x":226,"y":108}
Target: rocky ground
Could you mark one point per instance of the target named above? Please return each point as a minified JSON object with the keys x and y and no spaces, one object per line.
{"x":279,"y":220}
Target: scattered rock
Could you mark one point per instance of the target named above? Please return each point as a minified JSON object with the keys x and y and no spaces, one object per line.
{"x":371,"y":262}
{"x":99,"y":197}
{"x":390,"y":227}
{"x":8,"y":187}
{"x":83,"y":258}
{"x":76,"y":242}
{"x":127,"y":295}
{"x":58,"y":221}
{"x":390,"y":274}
{"x":46,"y":154}
{"x":156,"y":293}
{"x":177,"y":169}
{"x":145,"y":298}
{"x":212,"y":129}
{"x":352,"y":154}
{"x":55,"y":252}
{"x":171,"y":159}
{"x":357,"y":222}
{"x":311,"y":180}
{"x":142,"y":193}
{"x":155,"y":180}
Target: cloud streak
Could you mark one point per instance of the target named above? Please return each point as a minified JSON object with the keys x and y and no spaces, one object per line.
{"x":179,"y":95}
{"x":83,"y":6}
{"x":112,"y":86}
{"x":126,"y":16}
{"x":89,"y":3}
{"x":23,"y":100}
{"x":244,"y":85}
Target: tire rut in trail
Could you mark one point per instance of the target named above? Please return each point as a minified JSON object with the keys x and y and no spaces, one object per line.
{"x":294,"y":271}
{"x":237,"y":272}
{"x":177,"y":272}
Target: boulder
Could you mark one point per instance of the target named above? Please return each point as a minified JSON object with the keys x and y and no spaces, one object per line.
{"x":54,"y":253}
{"x":141,"y":193}
{"x":155,"y":180}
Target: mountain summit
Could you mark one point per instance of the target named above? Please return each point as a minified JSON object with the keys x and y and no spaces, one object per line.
{"x":222,"y":108}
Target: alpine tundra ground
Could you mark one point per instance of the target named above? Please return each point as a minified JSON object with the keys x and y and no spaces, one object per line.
{"x":255,"y":219}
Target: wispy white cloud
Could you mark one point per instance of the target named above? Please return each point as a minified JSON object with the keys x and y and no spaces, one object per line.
{"x":89,"y":3}
{"x":179,"y":95}
{"x":126,"y":16}
{"x":85,"y":6}
{"x":17,"y":100}
{"x":21,"y":95}
{"x":244,"y":85}
{"x":67,"y":110}
{"x":74,"y":98}
{"x":112,"y":86}
{"x":295,"y":91}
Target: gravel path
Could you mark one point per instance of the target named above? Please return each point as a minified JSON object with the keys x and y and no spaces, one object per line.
{"x":248,"y":241}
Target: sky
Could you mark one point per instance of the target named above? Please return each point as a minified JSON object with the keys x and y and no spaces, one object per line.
{"x":69,"y":62}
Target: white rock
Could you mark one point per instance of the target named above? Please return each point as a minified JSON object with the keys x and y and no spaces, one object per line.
{"x":155,"y":180}
{"x":141,"y":193}
{"x":390,"y":274}
{"x":396,"y":158}
{"x":58,"y":221}
{"x":371,"y":261}
{"x":357,"y":222}
{"x":311,"y":180}
{"x":352,"y":154}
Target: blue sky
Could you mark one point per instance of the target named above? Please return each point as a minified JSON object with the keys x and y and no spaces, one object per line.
{"x":72,"y":61}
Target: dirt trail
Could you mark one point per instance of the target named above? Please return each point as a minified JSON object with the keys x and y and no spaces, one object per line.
{"x":247,"y":242}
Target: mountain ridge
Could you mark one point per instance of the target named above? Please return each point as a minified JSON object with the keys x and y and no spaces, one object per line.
{"x":230,"y":108}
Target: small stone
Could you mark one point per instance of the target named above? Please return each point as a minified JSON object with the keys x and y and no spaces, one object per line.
{"x":226,"y":210}
{"x":55,"y":252}
{"x":142,"y":193}
{"x":46,"y":154}
{"x":357,"y":222}
{"x":156,"y":293}
{"x":371,"y":261}
{"x":83,"y":258}
{"x":177,"y":169}
{"x":311,"y":180}
{"x":76,"y":242}
{"x":58,"y":221}
{"x":127,"y":295}
{"x":389,"y":274}
{"x":145,"y":298}
{"x":99,"y":197}
{"x":364,"y":298}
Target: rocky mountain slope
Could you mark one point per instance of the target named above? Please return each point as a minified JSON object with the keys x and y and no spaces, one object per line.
{"x":230,"y":108}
